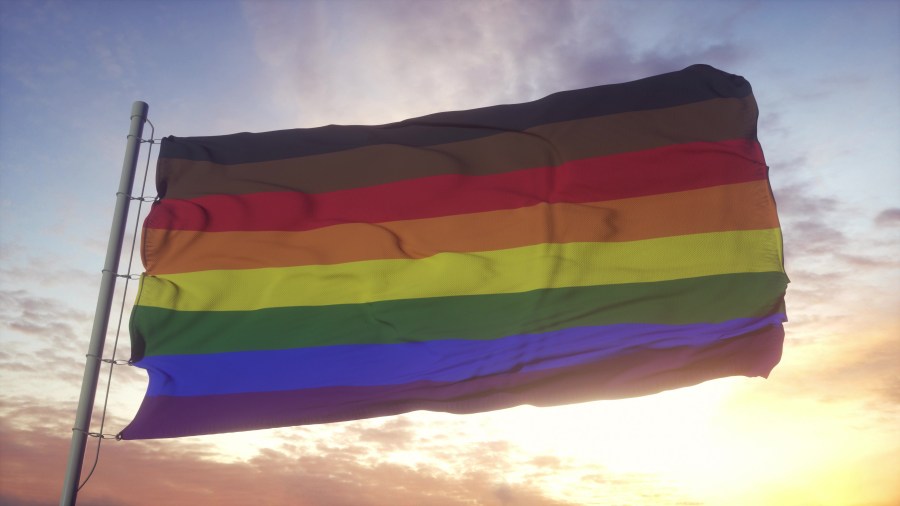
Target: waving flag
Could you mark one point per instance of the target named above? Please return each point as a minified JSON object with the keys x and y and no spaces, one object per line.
{"x":598,"y":243}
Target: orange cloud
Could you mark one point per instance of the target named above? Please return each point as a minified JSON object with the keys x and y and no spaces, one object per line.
{"x":179,"y":472}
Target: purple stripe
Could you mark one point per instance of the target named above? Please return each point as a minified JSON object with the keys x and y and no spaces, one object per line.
{"x":637,"y":372}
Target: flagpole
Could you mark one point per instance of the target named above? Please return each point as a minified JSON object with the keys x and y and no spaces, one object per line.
{"x":104,"y":305}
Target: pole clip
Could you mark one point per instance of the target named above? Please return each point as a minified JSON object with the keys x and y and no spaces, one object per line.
{"x":141,"y":199}
{"x":97,"y":435}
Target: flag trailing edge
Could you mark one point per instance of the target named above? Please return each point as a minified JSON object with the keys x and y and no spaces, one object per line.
{"x":600,"y":243}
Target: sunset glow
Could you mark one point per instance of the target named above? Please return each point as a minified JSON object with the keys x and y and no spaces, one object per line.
{"x":822,"y":430}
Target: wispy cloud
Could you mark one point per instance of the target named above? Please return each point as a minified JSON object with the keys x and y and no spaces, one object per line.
{"x":888,"y":218}
{"x":396,"y":59}
{"x":44,"y":270}
{"x":55,"y":322}
{"x":179,"y":474}
{"x":371,"y":463}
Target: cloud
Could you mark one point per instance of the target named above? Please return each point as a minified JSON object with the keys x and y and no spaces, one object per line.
{"x":833,"y":277}
{"x":397,"y":59}
{"x":546,"y":461}
{"x":55,"y":322}
{"x":160,"y":473}
{"x":888,"y":217}
{"x":797,"y":200}
{"x":45,"y":340}
{"x":396,"y":434}
{"x":376,"y":62}
{"x":864,"y":370}
{"x":870,"y":262}
{"x":815,"y":237}
{"x":381,"y":462}
{"x":46,"y":271}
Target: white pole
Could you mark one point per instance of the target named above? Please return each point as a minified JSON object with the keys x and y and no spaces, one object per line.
{"x":104,"y":305}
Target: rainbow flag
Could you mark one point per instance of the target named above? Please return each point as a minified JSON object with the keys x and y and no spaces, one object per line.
{"x":600,"y":243}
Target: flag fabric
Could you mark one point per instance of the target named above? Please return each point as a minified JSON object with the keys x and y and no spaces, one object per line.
{"x":600,"y":243}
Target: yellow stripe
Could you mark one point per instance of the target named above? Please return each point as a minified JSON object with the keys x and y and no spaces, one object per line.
{"x":450,"y":274}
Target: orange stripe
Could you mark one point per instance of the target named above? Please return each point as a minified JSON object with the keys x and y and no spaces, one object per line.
{"x":744,"y":206}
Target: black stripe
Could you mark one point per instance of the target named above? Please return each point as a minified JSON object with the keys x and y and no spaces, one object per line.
{"x":693,"y":84}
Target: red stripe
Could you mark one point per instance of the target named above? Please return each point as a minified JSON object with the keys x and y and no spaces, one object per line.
{"x":663,"y":170}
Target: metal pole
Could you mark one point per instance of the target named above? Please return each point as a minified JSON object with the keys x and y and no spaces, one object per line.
{"x":104,"y":305}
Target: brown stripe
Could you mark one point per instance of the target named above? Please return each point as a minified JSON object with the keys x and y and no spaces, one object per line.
{"x":745,"y":206}
{"x":546,"y":145}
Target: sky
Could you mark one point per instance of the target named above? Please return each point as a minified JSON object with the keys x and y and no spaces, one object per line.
{"x":823,"y":429}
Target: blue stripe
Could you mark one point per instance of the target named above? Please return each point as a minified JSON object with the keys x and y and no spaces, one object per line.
{"x":442,"y":361}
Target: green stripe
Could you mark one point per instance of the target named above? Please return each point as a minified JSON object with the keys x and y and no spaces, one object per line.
{"x":695,"y":300}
